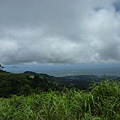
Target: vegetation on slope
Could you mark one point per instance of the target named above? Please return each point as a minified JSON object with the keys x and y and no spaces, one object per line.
{"x":101,"y":103}
{"x":20,"y":84}
{"x":30,"y":82}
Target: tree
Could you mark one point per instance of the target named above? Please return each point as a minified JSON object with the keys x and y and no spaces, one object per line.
{"x":1,"y":67}
{"x":26,"y":90}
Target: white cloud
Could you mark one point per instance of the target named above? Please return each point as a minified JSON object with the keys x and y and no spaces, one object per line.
{"x":59,"y":31}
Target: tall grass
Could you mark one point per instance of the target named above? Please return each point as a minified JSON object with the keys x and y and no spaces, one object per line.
{"x":101,"y":103}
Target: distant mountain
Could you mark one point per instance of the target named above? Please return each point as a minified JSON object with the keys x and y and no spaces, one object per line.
{"x":30,"y":73}
{"x":78,"y":81}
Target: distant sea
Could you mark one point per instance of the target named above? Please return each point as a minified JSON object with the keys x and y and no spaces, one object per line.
{"x":115,"y":71}
{"x":59,"y":71}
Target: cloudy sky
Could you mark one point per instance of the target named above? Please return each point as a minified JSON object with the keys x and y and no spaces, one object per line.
{"x":59,"y":31}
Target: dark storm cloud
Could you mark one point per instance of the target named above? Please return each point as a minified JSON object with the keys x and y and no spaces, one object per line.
{"x":59,"y":31}
{"x":116,"y":6}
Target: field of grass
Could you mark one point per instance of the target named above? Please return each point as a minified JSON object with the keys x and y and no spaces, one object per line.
{"x":101,"y":103}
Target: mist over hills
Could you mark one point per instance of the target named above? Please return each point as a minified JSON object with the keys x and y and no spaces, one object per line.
{"x":112,"y":71}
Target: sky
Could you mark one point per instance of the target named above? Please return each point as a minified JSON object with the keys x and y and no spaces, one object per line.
{"x":59,"y":32}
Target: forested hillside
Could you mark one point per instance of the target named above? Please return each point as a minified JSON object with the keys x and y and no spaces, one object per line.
{"x":21,"y":84}
{"x":30,"y":82}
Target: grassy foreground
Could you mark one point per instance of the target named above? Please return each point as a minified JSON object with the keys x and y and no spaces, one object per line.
{"x":101,"y":103}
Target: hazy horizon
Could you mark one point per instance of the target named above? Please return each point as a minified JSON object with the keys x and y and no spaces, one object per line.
{"x":66,"y":70}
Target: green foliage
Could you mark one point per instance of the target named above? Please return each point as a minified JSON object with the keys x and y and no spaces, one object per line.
{"x":101,"y":103}
{"x":11,"y":83}
{"x":25,"y":90}
{"x":19,"y":84}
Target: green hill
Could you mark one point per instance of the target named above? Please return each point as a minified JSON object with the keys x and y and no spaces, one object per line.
{"x":33,"y":96}
{"x":21,"y":84}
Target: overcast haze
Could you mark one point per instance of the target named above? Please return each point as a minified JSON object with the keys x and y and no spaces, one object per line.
{"x":59,"y":31}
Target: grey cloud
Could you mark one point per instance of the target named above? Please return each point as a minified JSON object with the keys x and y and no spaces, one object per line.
{"x":59,"y":31}
{"x":116,"y":6}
